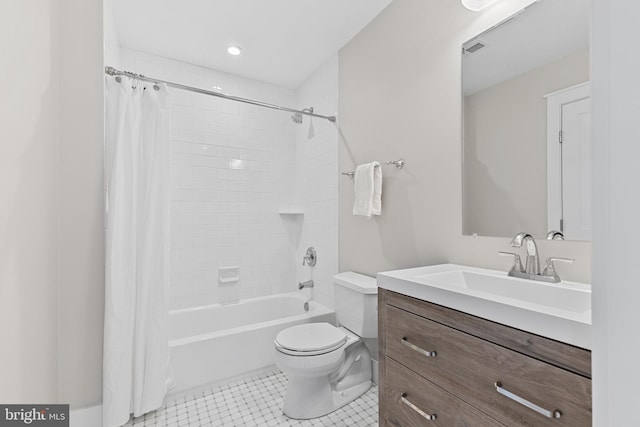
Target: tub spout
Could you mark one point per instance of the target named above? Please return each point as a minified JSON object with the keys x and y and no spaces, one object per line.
{"x":307,"y":284}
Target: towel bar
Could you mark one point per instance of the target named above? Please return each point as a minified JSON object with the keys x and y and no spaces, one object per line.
{"x":349,"y":174}
{"x":397,"y":163}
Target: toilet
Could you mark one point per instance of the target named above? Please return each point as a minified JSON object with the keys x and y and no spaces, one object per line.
{"x":327,"y":366}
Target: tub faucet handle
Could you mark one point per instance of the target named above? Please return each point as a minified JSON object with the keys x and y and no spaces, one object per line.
{"x":310,"y":258}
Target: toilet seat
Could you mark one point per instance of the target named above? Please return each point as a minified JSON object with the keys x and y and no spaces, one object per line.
{"x":310,"y":339}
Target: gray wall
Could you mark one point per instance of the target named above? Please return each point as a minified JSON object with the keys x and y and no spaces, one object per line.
{"x":28,"y":202}
{"x":81,"y":203}
{"x":400,"y":96}
{"x":51,"y":258}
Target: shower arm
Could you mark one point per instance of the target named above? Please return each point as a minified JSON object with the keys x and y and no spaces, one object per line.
{"x":307,"y":111}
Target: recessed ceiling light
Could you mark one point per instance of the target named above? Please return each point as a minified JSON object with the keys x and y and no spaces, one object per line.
{"x":477,"y":5}
{"x":234,"y":50}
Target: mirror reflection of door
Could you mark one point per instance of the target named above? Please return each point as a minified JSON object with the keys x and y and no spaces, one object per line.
{"x":569,"y":162}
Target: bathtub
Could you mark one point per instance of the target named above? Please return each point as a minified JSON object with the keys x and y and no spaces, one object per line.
{"x":213,"y":343}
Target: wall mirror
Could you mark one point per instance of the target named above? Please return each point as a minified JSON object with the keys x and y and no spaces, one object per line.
{"x":526,"y":124}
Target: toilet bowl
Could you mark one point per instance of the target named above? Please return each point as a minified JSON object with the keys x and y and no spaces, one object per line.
{"x":327,"y":366}
{"x":330,"y":369}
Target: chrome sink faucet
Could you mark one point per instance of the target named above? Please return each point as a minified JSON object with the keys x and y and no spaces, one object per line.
{"x":531,"y":270}
{"x":532,"y":262}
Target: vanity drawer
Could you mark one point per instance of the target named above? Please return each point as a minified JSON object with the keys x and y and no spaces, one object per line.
{"x":427,"y":397}
{"x":470,"y":368}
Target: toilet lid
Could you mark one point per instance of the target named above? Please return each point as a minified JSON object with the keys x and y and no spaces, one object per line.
{"x":311,"y":337}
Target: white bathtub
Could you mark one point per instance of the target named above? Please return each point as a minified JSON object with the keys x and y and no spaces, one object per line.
{"x":213,"y":343}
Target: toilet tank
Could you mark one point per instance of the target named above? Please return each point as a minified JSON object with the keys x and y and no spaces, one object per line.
{"x":356,"y":297}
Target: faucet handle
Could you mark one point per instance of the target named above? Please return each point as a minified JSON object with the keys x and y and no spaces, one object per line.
{"x":310,"y":258}
{"x":550,"y":269}
{"x":517,"y":264}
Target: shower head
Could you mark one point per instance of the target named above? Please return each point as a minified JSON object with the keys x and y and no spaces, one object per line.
{"x":297,"y":118}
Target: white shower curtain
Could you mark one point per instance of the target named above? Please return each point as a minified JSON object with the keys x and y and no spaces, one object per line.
{"x":136,"y":367}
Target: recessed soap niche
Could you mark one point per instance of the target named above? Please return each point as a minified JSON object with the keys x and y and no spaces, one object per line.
{"x":228,"y":275}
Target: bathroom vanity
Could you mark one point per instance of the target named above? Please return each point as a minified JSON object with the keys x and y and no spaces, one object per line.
{"x":441,"y":365}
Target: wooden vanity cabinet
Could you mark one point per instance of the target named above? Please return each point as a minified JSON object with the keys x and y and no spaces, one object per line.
{"x":442,"y":367}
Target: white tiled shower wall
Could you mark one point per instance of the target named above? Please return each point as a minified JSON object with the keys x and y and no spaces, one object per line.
{"x":234,"y":166}
{"x":317,"y":179}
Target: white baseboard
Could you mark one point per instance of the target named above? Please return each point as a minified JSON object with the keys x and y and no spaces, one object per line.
{"x":86,"y":417}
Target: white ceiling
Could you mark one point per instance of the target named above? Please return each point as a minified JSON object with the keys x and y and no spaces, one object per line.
{"x":283,"y":41}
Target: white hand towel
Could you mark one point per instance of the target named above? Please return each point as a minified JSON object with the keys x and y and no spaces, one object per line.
{"x":368,"y":190}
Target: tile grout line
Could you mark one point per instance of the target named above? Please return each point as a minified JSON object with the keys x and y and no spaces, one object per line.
{"x":255,"y":401}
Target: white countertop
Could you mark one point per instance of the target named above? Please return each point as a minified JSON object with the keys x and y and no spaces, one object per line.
{"x":560,"y":311}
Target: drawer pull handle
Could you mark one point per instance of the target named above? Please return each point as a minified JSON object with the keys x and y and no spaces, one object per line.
{"x":418,"y":349}
{"x":525,"y":402}
{"x":424,"y":415}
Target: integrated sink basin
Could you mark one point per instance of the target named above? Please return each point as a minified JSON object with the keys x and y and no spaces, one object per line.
{"x":561,"y":311}
{"x":562,"y":296}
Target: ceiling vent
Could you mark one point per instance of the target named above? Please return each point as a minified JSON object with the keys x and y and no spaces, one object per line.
{"x":473,"y":46}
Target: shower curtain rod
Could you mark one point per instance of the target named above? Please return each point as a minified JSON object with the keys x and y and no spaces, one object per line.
{"x":307,"y":112}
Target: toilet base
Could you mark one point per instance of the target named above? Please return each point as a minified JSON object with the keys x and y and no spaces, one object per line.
{"x":345,"y":397}
{"x":318,"y":399}
{"x":320,"y":384}
{"x":314,"y":396}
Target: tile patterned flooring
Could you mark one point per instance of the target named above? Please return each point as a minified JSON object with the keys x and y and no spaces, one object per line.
{"x":254,"y":402}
